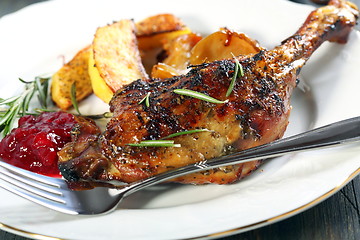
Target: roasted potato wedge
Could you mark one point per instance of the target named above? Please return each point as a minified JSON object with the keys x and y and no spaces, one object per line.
{"x":221,"y":45}
{"x":75,"y":71}
{"x":100,"y":88}
{"x":115,"y":57}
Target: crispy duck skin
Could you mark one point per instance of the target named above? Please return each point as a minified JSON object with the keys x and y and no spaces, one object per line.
{"x":255,"y":113}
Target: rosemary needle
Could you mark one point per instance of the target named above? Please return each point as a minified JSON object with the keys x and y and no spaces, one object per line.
{"x":155,"y":143}
{"x":198,"y":95}
{"x":73,"y":98}
{"x":165,"y":143}
{"x":42,"y":88}
{"x":238,"y":72}
{"x":186,"y":132}
{"x":146,"y":99}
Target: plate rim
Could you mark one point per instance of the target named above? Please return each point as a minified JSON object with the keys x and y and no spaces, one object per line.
{"x":282,"y":216}
{"x":226,"y":233}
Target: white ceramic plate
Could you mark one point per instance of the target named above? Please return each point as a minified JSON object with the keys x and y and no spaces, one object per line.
{"x":35,"y":40}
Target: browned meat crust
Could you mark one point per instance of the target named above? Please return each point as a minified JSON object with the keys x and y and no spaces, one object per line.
{"x":255,"y":113}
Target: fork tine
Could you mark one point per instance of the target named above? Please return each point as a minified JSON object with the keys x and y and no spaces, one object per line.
{"x":30,"y":186}
{"x":35,"y":198}
{"x":34,"y":176}
{"x":46,"y":191}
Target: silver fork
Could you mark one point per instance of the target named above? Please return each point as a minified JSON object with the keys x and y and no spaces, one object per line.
{"x":54,"y":193}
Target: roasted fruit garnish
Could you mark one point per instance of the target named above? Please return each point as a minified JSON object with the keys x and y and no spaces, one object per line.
{"x":115,"y":59}
{"x":176,"y":54}
{"x":239,"y":103}
{"x":73,"y":72}
{"x":221,"y":45}
{"x":191,"y":49}
{"x":34,"y":144}
{"x":153,"y":31}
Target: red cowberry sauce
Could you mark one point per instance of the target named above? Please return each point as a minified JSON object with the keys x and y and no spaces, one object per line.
{"x":34,"y":144}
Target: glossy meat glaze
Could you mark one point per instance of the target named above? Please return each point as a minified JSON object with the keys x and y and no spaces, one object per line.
{"x":256,"y":112}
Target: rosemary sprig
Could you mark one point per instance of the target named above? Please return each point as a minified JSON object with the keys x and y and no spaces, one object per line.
{"x":155,"y":143}
{"x":146,"y":99}
{"x":198,"y":95}
{"x":238,"y":72}
{"x":19,"y":105}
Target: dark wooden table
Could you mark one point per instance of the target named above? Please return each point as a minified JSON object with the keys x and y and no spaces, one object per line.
{"x":335,"y":218}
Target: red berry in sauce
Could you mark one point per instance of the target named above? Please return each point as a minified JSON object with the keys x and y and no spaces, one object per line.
{"x":34,"y":144}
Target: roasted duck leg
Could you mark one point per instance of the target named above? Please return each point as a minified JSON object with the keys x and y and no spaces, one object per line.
{"x":256,"y":111}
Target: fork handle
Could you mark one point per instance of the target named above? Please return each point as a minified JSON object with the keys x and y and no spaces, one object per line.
{"x":345,"y":131}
